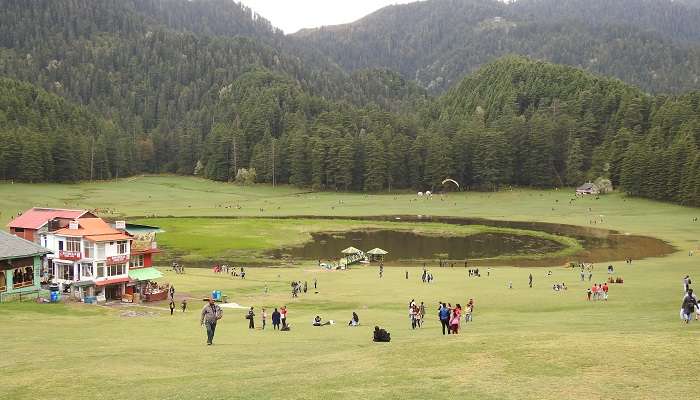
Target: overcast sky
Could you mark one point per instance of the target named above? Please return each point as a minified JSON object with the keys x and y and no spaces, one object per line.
{"x":292,"y":15}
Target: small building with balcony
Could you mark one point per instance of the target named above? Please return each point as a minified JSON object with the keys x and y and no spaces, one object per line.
{"x":20,"y":263}
{"x":90,"y":258}
{"x":31,"y":224}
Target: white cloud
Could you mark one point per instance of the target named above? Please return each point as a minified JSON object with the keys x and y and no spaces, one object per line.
{"x":292,"y":15}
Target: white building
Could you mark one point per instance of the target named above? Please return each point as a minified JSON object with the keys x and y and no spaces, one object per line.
{"x":89,"y":255}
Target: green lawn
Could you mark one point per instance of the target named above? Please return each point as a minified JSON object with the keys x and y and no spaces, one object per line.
{"x":524,"y":343}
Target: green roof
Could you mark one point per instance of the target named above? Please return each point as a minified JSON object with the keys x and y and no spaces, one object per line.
{"x":144,"y":274}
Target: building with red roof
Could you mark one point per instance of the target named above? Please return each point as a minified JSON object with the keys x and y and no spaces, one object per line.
{"x":34,"y":221}
{"x":90,"y":256}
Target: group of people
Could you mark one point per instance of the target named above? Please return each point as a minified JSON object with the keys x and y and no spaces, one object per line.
{"x":474,"y":273}
{"x":226,"y":270}
{"x":279,"y":318}
{"x":427,"y":277}
{"x":416,"y":313}
{"x":298,"y":287}
{"x":586,"y":269}
{"x":450,"y":317}
{"x":179,"y":269}
{"x":598,"y":292}
{"x":690,"y":303}
{"x":559,"y":287}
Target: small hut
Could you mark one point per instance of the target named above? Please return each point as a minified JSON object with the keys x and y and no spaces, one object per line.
{"x":588,"y":188}
{"x":377,"y":254}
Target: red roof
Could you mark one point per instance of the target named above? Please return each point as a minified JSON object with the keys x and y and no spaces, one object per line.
{"x":106,"y":282}
{"x":35,"y":218}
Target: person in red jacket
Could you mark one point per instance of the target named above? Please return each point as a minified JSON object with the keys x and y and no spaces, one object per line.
{"x":605,"y":291}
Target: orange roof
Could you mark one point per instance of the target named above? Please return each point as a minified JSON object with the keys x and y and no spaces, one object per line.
{"x":94,"y":229}
{"x":107,"y":238}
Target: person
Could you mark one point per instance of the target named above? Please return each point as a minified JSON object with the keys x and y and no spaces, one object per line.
{"x":530,"y":281}
{"x":275,"y":319}
{"x":412,"y":315}
{"x":172,"y":292}
{"x":407,"y":274}
{"x":315,"y":283}
{"x":589,"y":293}
{"x":381,"y":271}
{"x":318,"y":322}
{"x":456,"y":317}
{"x":605,"y":291}
{"x":184,"y":305}
{"x":251,"y":318}
{"x":381,"y":335}
{"x":306,"y":284}
{"x":688,"y":306}
{"x":421,"y":310}
{"x":444,"y":315}
{"x":468,"y":312}
{"x":583,"y":276}
{"x":172,"y":307}
{"x":264,"y":317}
{"x":355,"y":321}
{"x":283,"y":316}
{"x":510,"y":284}
{"x":686,"y":283}
{"x":211,"y":314}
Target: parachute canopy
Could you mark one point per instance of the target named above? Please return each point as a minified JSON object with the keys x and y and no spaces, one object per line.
{"x":448,"y":180}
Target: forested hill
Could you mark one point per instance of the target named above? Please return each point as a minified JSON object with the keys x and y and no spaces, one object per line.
{"x":653,"y":44}
{"x":45,"y":138}
{"x":102,"y":89}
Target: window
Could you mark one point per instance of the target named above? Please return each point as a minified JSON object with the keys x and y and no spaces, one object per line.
{"x":22,"y":277}
{"x":121,"y":247}
{"x":60,"y":245}
{"x":117,"y":269}
{"x":73,"y":244}
{"x":100,"y":270}
{"x":86,"y":270}
{"x":19,"y":229}
{"x":89,"y":250}
{"x":65,"y":271}
{"x":137,"y":261}
{"x":100,"y":251}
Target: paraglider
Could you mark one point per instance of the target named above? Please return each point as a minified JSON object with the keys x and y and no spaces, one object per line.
{"x":452,"y":181}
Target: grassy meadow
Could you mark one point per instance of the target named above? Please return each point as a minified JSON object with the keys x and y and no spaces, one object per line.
{"x":523,"y":344}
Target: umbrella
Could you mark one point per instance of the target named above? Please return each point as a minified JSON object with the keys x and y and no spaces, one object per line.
{"x":351,"y":250}
{"x":377,"y":252}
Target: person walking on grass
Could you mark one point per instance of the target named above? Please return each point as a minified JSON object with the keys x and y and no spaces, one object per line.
{"x":251,"y":318}
{"x":172,"y":307}
{"x":688,"y":306}
{"x":529,"y":281}
{"x":315,"y":284}
{"x":444,"y":315}
{"x":283,"y":316}
{"x":456,"y":317}
{"x":183,"y":305}
{"x":211,"y":314}
{"x":264,"y":317}
{"x":275,"y":320}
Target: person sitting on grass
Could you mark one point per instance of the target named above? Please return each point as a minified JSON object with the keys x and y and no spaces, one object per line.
{"x":355,"y":321}
{"x":317,"y":322}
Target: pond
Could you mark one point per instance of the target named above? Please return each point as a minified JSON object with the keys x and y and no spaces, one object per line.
{"x":407,"y":245}
{"x":599,"y":245}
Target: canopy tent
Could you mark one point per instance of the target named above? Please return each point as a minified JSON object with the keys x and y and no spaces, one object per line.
{"x":377,"y":254}
{"x":144,"y":274}
{"x":351,"y":250}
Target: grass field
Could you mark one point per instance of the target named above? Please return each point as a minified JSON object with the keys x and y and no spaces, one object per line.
{"x":524,"y":343}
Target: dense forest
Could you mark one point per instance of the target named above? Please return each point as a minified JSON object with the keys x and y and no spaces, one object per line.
{"x":653,"y":44}
{"x":96,"y":89}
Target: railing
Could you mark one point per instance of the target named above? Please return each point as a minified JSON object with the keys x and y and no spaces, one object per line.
{"x":21,"y":296}
{"x":20,"y":285}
